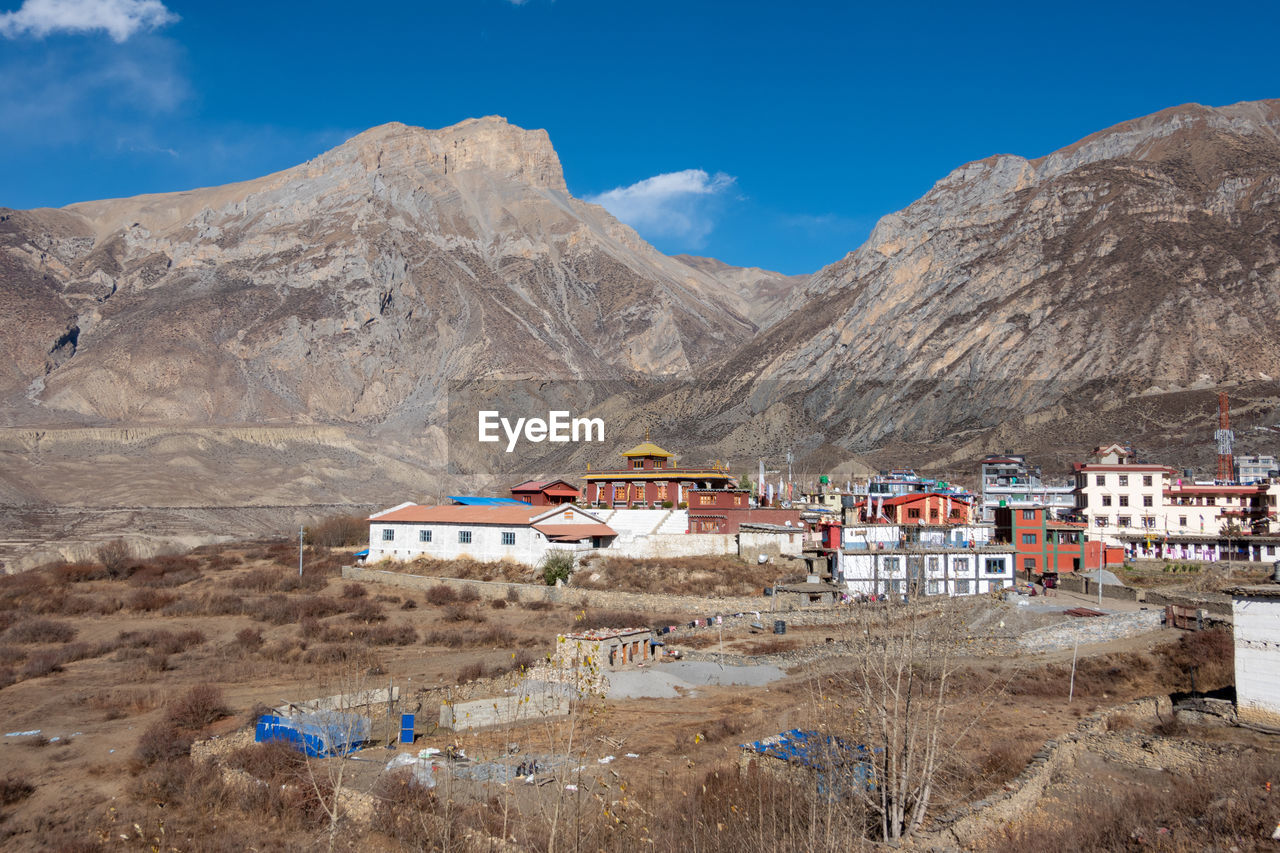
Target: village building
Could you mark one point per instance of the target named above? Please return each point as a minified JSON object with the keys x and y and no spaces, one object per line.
{"x":1256,"y":468}
{"x":1255,"y":617}
{"x":1007,"y":481}
{"x":650,"y":479}
{"x":486,"y":532}
{"x":1116,"y":495}
{"x":605,"y":649}
{"x":545,"y":492}
{"x":725,"y":510}
{"x":912,"y":559}
{"x":912,"y":508}
{"x":1044,"y":544}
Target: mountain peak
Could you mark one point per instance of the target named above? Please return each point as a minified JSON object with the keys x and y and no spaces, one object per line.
{"x":490,"y":143}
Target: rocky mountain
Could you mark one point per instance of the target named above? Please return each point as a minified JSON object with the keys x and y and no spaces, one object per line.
{"x":319,"y":321}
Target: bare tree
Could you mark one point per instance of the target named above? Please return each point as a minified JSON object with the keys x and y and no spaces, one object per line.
{"x":114,"y":556}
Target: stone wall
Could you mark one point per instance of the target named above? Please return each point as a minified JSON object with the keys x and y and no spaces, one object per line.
{"x":1094,"y":629}
{"x":498,"y":711}
{"x":573,"y":596}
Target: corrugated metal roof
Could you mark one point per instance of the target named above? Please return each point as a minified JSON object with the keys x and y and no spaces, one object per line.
{"x":514,"y":513}
{"x":574,"y":532}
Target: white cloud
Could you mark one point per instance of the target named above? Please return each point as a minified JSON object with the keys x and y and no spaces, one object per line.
{"x":119,"y":18}
{"x":675,"y":204}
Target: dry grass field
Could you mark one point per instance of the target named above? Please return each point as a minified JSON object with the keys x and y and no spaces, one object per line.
{"x":109,"y":674}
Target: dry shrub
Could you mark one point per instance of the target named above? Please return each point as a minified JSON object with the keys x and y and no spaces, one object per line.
{"x":165,"y":571}
{"x":280,"y":609}
{"x":611,"y":619}
{"x":771,"y":646}
{"x":409,"y":604}
{"x":338,"y":531}
{"x":471,"y":672}
{"x":715,"y":575}
{"x":407,"y":811}
{"x":162,"y":742}
{"x":508,"y":571}
{"x":14,"y":788}
{"x":197,"y":708}
{"x":354,"y":590}
{"x":78,"y":572}
{"x":440,"y":595}
{"x":538,"y":605}
{"x":728,"y":726}
{"x":258,"y":580}
{"x":40,"y":631}
{"x":274,"y":762}
{"x":469,"y":594}
{"x":366,"y":610}
{"x":147,"y":600}
{"x":498,"y":603}
{"x":452,"y":639}
{"x":1205,"y":657}
{"x":373,"y":635}
{"x":162,"y":641}
{"x":1005,"y":759}
{"x":459,"y":613}
{"x":41,"y":664}
{"x":249,"y":639}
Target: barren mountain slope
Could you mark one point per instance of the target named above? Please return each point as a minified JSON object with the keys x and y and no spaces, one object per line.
{"x":767,"y":296}
{"x":1141,"y":259}
{"x":349,"y":289}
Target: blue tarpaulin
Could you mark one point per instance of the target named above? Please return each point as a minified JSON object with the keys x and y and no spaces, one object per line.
{"x":318,"y":734}
{"x":478,"y":500}
{"x":838,"y":764}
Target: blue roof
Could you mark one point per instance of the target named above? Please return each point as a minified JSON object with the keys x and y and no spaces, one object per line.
{"x":472,"y":500}
{"x":363,"y":553}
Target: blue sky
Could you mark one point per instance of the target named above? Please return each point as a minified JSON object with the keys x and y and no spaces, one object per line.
{"x":764,"y":134}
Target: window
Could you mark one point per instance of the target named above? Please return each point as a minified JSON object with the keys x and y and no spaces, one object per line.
{"x":1028,"y":539}
{"x":1106,"y":500}
{"x":1100,"y":480}
{"x":1029,"y":564}
{"x":914,"y":512}
{"x":637,"y":463}
{"x":1124,"y":500}
{"x":1124,"y":479}
{"x":706,"y":500}
{"x":994,"y":566}
{"x":1146,"y":479}
{"x":1182,"y":521}
{"x":962,"y":587}
{"x":960,"y":564}
{"x":1102,"y":521}
{"x":464,"y":537}
{"x":424,"y":535}
{"x":1148,"y":521}
{"x":933,"y":514}
{"x":388,"y":534}
{"x":737,"y":500}
{"x":933,"y":588}
{"x":1028,"y":515}
{"x":933,"y":564}
{"x":891,"y":565}
{"x":1146,"y":500}
{"x":508,"y":537}
{"x":1210,"y":501}
{"x":955,"y":512}
{"x":1123,"y":521}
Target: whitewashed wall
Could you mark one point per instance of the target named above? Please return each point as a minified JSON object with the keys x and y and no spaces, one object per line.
{"x":874,"y":572}
{"x":1257,"y":641}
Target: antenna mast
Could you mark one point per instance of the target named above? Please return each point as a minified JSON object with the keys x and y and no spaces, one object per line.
{"x":1226,"y":442}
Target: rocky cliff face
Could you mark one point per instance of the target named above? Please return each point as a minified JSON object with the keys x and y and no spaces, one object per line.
{"x":346,"y":290}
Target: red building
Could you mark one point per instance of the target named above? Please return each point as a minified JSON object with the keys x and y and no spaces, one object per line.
{"x":545,"y":492}
{"x":917,"y":508}
{"x":651,"y":478}
{"x":1044,"y":545}
{"x":724,"y":510}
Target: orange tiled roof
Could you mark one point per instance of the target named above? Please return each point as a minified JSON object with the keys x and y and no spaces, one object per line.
{"x":574,"y":532}
{"x":463,"y":514}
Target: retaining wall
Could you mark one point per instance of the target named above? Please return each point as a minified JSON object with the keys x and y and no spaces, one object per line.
{"x":1094,"y":629}
{"x":498,"y":711}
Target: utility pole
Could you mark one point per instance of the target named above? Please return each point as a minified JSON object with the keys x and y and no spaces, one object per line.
{"x":301,"y":531}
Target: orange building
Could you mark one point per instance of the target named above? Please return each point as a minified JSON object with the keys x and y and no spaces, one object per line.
{"x":917,"y":508}
{"x":545,"y":492}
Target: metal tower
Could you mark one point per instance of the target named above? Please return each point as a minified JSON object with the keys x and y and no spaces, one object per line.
{"x":1226,"y":442}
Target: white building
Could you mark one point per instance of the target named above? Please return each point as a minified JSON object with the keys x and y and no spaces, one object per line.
{"x":1255,"y":612}
{"x":923,"y":559}
{"x":485,"y":533}
{"x":1252,"y":469}
{"x":1117,"y":496}
{"x":1008,"y":481}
